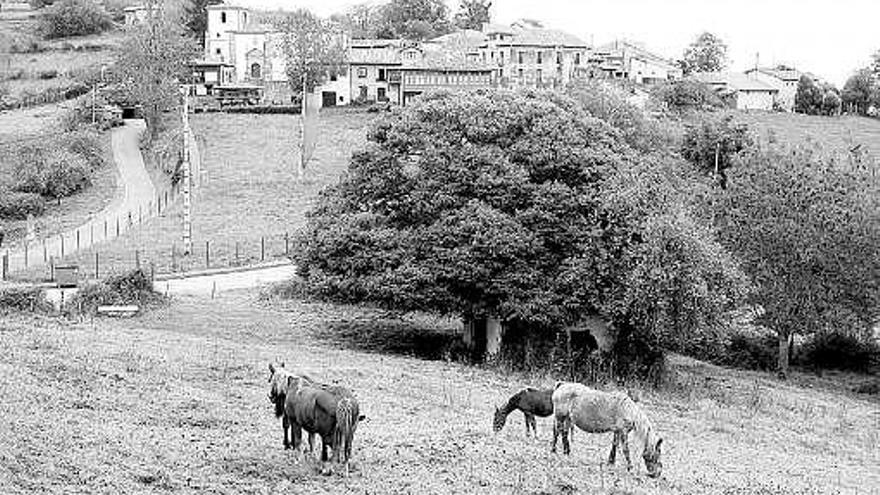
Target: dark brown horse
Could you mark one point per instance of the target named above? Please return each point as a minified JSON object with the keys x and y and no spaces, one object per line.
{"x":311,"y":409}
{"x":532,"y":402}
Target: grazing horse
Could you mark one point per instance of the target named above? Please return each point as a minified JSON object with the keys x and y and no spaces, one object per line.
{"x":595,"y":411}
{"x":531,"y":401}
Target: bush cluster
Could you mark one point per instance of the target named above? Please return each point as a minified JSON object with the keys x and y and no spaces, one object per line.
{"x":23,"y":299}
{"x":281,"y":109}
{"x":687,"y":95}
{"x":134,"y":287}
{"x":840,"y":351}
{"x":18,"y":205}
{"x":73,"y":18}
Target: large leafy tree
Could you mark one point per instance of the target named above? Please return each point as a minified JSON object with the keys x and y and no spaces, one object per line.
{"x":157,"y":54}
{"x":708,"y":53}
{"x":518,"y":206}
{"x":472,"y":14}
{"x":360,"y":21}
{"x":807,"y":228}
{"x":414,"y":19}
{"x":196,"y":17}
{"x":860,"y":92}
{"x":313,"y":49}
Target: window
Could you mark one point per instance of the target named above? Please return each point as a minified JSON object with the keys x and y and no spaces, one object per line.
{"x":577,"y":59}
{"x":501,"y":54}
{"x":362,"y":72}
{"x":217,"y":51}
{"x":559,"y":58}
{"x":333,"y":77}
{"x":519,"y":58}
{"x":380,"y":94}
{"x":540,"y":58}
{"x":520,"y":74}
{"x":223,"y":17}
{"x":381,"y":77}
{"x":256,"y":71}
{"x":539,"y":76}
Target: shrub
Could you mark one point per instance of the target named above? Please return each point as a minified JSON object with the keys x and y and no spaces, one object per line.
{"x":15,"y":74}
{"x":710,"y":136}
{"x":54,"y":173}
{"x":48,"y":74}
{"x":74,"y":18}
{"x":754,"y":352}
{"x":18,"y":205}
{"x":133,"y":287}
{"x":30,"y":299}
{"x":835,"y":350}
{"x":81,"y":115}
{"x":687,"y":95}
{"x":86,"y":144}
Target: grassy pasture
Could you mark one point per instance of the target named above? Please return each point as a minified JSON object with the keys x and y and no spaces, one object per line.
{"x":249,"y":190}
{"x":835,"y":134}
{"x":175,"y":401}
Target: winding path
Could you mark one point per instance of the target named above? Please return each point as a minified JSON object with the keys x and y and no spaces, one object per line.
{"x":135,"y":201}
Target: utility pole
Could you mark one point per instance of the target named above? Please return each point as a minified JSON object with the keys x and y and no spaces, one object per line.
{"x":187,"y":176}
{"x":301,"y":173}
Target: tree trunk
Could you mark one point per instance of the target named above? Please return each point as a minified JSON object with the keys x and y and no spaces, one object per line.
{"x":782,"y":367}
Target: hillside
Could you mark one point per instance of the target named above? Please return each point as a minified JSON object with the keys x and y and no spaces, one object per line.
{"x":836,"y":134}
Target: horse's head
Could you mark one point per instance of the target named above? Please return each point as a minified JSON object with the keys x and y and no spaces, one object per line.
{"x":651,"y":454}
{"x":498,"y":420}
{"x":278,"y":387}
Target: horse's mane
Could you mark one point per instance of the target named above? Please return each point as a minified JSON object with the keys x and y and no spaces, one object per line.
{"x":642,"y":425}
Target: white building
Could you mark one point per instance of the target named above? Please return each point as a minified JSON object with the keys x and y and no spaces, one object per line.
{"x":784,"y":79}
{"x":255,"y":49}
{"x":623,"y":59}
{"x":739,"y":90}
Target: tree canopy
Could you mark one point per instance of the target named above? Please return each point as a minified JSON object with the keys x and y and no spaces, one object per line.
{"x":807,"y":228}
{"x":312,"y":49}
{"x":414,"y":19}
{"x":519,"y":206}
{"x":860,"y":92}
{"x":472,"y":14}
{"x":707,"y":53}
{"x":196,"y":17}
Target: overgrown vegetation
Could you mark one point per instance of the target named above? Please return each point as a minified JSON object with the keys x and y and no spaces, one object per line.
{"x":134,"y":287}
{"x":687,"y":96}
{"x":23,"y":299}
{"x":711,"y":143}
{"x":73,"y":18}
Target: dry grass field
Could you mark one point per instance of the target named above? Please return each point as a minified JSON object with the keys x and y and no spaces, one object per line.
{"x":176,"y":401}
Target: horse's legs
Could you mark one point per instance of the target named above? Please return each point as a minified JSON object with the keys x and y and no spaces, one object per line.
{"x":566,"y":426}
{"x":624,"y":437}
{"x":311,"y":443}
{"x":285,"y":426}
{"x":613,"y":455}
{"x":324,"y":444}
{"x":530,"y":423}
{"x":557,"y":424}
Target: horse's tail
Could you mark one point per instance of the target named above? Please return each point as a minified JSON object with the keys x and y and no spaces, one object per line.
{"x":558,"y":384}
{"x":347,"y":417}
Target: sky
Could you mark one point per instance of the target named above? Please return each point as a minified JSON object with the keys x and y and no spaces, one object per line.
{"x":828,"y":38}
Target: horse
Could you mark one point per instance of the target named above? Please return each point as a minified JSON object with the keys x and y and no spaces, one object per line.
{"x":595,"y":411}
{"x":312,"y":409}
{"x":531,"y":401}
{"x":346,"y":413}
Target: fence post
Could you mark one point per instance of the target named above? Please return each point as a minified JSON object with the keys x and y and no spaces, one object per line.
{"x":236,"y":253}
{"x":105,"y":229}
{"x":91,"y":233}
{"x":173,"y":258}
{"x":5,"y":267}
{"x":140,"y":215}
{"x":62,"y":244}
{"x":286,"y":244}
{"x":25,"y":254}
{"x":77,"y":239}
{"x":129,"y":220}
{"x":117,"y":226}
{"x":51,"y":268}
{"x":137,"y":259}
{"x":262,"y":249}
{"x":45,"y":252}
{"x":97,"y":266}
{"x":152,"y":272}
{"x":207,"y":254}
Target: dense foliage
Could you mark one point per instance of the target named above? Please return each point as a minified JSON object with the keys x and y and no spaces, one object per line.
{"x":18,"y":205}
{"x":860,"y":92}
{"x":712,"y":142}
{"x":706,"y":54}
{"x":520,"y":206}
{"x":156,"y":56}
{"x":73,"y":18}
{"x":313,"y":51}
{"x":472,"y":14}
{"x":807,"y":229}
{"x":196,"y":17}
{"x":687,"y":96}
{"x":413,"y":19}
{"x":814,"y":98}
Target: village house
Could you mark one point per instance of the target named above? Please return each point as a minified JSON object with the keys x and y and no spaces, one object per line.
{"x":528,"y":54}
{"x":629,"y":60}
{"x":135,"y":14}
{"x":739,"y":90}
{"x":782,"y":78}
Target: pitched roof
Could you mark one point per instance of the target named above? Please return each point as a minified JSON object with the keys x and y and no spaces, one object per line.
{"x":736,"y":81}
{"x":545,"y":37}
{"x":441,"y":56}
{"x":783,"y":74}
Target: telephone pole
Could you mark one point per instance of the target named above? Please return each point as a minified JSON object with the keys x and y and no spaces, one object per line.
{"x":187,"y":176}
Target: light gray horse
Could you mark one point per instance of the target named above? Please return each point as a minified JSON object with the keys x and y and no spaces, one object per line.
{"x":595,"y":411}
